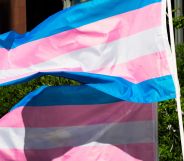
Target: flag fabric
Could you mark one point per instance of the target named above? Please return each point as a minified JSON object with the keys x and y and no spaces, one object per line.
{"x":119,"y":47}
{"x":78,"y":123}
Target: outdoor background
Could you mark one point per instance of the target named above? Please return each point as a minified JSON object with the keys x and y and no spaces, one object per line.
{"x":16,"y":14}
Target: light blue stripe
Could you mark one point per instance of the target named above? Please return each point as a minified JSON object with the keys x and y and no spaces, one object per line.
{"x":61,"y":95}
{"x":149,"y":91}
{"x":74,"y":17}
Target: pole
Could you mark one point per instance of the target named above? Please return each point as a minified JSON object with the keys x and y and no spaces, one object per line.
{"x":178,"y":101}
{"x":67,"y":4}
{"x":18,"y":15}
{"x":179,"y":12}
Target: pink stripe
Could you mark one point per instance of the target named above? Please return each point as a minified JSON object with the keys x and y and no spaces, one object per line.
{"x":103,"y":31}
{"x":150,"y":66}
{"x":2,"y":51}
{"x":73,"y":115}
{"x":13,"y":155}
{"x":3,"y":58}
{"x":130,"y":152}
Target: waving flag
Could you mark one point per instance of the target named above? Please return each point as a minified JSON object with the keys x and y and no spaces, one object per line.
{"x":119,"y":47}
{"x":78,"y":123}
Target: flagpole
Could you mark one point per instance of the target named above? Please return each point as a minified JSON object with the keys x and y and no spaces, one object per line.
{"x":178,"y":95}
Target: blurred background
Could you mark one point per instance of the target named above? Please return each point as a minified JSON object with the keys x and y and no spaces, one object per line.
{"x":24,"y":15}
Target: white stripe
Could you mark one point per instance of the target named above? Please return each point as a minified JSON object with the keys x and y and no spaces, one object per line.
{"x":10,"y":138}
{"x":45,"y":138}
{"x":104,"y":55}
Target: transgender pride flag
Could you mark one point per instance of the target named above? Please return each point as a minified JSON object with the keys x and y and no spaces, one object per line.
{"x":119,"y":47}
{"x":78,"y":123}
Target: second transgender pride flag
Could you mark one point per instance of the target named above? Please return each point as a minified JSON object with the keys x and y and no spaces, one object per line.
{"x":119,"y":47}
{"x":78,"y":123}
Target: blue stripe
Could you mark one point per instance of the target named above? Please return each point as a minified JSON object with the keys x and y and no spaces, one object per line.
{"x":149,"y":91}
{"x":61,"y":95}
{"x":74,"y":17}
{"x":7,"y":39}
